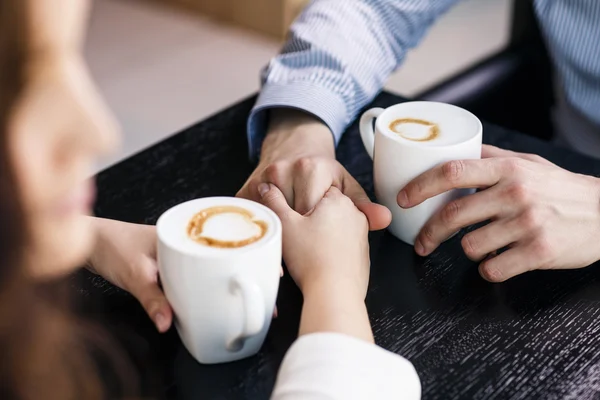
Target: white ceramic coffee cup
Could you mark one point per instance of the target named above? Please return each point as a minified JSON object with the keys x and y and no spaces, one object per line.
{"x":223,"y":299}
{"x":398,"y":160}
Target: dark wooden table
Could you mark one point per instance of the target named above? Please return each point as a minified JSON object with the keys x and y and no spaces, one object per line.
{"x":535,"y":336}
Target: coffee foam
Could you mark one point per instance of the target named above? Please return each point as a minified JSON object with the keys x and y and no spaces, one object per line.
{"x":173,"y":226}
{"x":416,"y":130}
{"x":430,"y":124}
{"x":226,"y":227}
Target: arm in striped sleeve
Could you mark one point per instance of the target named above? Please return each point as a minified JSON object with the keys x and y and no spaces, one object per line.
{"x":338,"y":57}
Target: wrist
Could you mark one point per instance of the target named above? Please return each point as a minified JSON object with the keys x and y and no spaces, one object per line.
{"x":94,"y":225}
{"x":334,"y":287}
{"x":335,"y":308}
{"x":295,"y":134}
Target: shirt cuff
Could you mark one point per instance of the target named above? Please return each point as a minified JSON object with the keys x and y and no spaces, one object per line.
{"x":336,"y":366}
{"x":305,"y":96}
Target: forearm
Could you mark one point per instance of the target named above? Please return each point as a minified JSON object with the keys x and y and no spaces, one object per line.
{"x":106,"y":230}
{"x":293,"y":134}
{"x":103,"y":229}
{"x":335,"y":308}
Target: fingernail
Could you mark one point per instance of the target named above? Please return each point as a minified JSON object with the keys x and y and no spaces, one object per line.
{"x":403,"y":199}
{"x":419,"y":248}
{"x":275,"y":312}
{"x":263,"y":188}
{"x":161,"y":321}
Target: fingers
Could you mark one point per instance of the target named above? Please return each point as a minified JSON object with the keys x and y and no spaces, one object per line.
{"x":279,"y":175}
{"x":333,"y":197}
{"x":511,"y":263}
{"x":379,"y":216}
{"x":145,"y":288}
{"x":273,"y":198}
{"x":458,"y":214}
{"x":311,"y":180}
{"x":334,"y":202}
{"x":494,"y":236}
{"x":488,"y":151}
{"x":527,"y":255}
{"x":333,"y":193}
{"x":451,"y":175}
{"x":304,"y":182}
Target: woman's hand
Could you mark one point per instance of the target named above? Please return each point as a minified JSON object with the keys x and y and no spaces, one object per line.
{"x":328,"y":244}
{"x":125,"y":255}
{"x":327,"y":254}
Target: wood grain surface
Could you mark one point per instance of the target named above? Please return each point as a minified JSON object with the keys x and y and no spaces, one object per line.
{"x":534,"y":337}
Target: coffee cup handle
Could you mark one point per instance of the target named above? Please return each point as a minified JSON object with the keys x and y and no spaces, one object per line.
{"x":366,"y":128}
{"x":254,"y":310}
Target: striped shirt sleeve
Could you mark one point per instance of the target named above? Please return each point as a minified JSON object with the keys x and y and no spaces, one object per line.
{"x":338,"y":57}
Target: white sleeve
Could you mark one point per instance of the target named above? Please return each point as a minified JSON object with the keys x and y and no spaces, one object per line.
{"x":331,"y":366}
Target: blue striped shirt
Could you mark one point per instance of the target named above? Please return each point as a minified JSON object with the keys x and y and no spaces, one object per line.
{"x":341,"y":52}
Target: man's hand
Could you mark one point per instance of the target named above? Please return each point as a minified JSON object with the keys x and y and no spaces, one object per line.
{"x":298,"y":156}
{"x":125,"y":255}
{"x":547,"y":216}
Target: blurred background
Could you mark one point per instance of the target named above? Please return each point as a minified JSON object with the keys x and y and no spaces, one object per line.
{"x":163,"y":65}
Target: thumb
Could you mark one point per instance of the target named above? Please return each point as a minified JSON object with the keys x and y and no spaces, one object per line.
{"x":146,"y":290}
{"x":379,"y":216}
{"x":272,"y":197}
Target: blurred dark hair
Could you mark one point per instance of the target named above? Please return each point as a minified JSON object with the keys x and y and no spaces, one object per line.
{"x":45,"y":353}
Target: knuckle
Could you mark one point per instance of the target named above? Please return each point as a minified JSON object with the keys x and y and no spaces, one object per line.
{"x":534,"y":158}
{"x":453,"y":170}
{"x":512,"y":165}
{"x":451,"y":211}
{"x":532,"y":219}
{"x":427,"y":234}
{"x":415,"y":189}
{"x":518,"y":193}
{"x":304,"y":165}
{"x":542,"y":249}
{"x":471,"y":246}
{"x":274,"y":173}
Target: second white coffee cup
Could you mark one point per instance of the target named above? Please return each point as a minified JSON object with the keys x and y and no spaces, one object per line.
{"x":428,"y":134}
{"x":223,"y":298}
